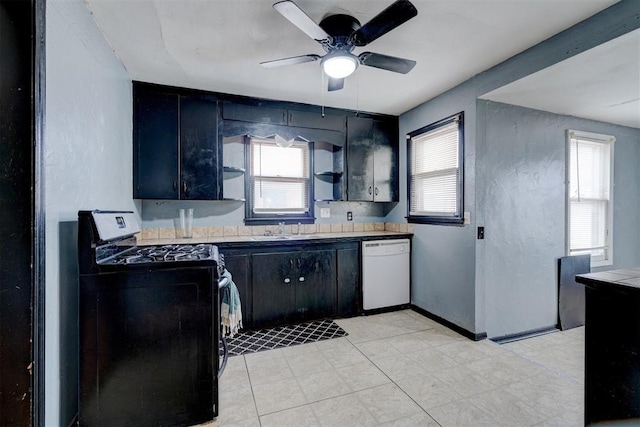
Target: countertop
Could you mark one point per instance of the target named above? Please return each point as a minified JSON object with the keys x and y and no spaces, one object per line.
{"x":276,"y":239}
{"x":625,"y":279}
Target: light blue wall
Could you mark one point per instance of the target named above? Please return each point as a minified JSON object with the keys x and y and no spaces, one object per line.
{"x":87,"y":158}
{"x":163,"y":213}
{"x":521,"y":189}
{"x":448,"y":269}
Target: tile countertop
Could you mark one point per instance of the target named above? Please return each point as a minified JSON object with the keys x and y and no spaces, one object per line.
{"x":626,"y":279}
{"x":278,"y":239}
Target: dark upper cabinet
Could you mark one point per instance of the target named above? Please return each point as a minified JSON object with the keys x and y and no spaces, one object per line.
{"x":155,"y":144}
{"x":254,"y":113}
{"x":176,"y":154}
{"x":315,"y":120}
{"x":372,"y":159}
{"x":199,"y":157}
{"x":273,"y":115}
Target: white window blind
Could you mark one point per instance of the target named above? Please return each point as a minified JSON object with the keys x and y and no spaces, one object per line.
{"x":435,"y":170}
{"x":590,"y":196}
{"x":279,"y":177}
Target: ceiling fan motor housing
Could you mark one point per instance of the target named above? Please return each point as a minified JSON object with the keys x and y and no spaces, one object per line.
{"x":340,"y":27}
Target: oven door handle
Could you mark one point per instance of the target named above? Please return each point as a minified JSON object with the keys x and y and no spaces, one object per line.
{"x":223,"y":282}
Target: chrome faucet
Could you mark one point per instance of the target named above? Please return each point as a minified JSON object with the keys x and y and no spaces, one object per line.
{"x":281,"y":227}
{"x":299,"y":228}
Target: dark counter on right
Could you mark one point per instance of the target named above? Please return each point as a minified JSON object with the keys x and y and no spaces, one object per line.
{"x":612,"y":347}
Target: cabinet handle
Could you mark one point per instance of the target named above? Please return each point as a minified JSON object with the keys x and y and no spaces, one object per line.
{"x":301,"y":279}
{"x":299,"y":263}
{"x":175,"y":185}
{"x":184,"y":187}
{"x":287,"y":280}
{"x":370,"y":188}
{"x":376,"y":191}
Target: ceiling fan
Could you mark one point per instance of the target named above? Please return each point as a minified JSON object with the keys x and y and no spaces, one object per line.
{"x":339,"y":34}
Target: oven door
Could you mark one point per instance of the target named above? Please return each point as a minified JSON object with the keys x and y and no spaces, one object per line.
{"x":149,"y":347}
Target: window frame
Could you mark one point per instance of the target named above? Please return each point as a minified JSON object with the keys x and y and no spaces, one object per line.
{"x":458,"y":218}
{"x":602,"y":139}
{"x":254,"y":218}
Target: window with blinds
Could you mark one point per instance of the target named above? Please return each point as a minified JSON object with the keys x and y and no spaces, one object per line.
{"x":590,"y":194}
{"x":279,"y":179}
{"x":435,"y":157}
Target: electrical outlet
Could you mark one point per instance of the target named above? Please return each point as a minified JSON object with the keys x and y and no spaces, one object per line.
{"x":325,"y":213}
{"x":480,"y":233}
{"x":349,"y":216}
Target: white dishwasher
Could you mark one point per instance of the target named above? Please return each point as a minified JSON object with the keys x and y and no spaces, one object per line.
{"x":386,"y":272}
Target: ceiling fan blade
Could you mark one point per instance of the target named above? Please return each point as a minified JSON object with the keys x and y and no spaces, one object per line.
{"x":385,"y":62}
{"x":297,"y":17}
{"x":290,"y":61}
{"x":335,"y":84}
{"x":393,"y":16}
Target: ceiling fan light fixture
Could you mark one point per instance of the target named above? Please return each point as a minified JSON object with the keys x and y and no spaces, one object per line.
{"x":339,"y":65}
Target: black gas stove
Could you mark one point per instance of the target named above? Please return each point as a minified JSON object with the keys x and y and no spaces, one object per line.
{"x":149,"y":326}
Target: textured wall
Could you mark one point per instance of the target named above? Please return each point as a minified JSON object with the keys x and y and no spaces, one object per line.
{"x":448,"y":265}
{"x":443,"y":257}
{"x":522,"y":175}
{"x":523,"y":196}
{"x":88,"y":162}
{"x":163,"y":213}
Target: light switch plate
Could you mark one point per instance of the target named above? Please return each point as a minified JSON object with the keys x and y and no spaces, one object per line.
{"x":325,"y":213}
{"x":467,"y":217}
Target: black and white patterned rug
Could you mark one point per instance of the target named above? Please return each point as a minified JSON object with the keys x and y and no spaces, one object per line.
{"x":283,"y":336}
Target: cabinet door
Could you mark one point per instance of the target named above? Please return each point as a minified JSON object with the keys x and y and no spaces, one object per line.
{"x":315,"y":119}
{"x":199,"y":157}
{"x":360,"y":162}
{"x":348,"y":280}
{"x":273,"y":279}
{"x":155,"y":142}
{"x":315,"y":284}
{"x":238,"y":266}
{"x":254,"y":113}
{"x":385,"y":164}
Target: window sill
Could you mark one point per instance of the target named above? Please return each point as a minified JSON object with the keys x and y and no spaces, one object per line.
{"x":458,"y":222}
{"x":277,"y":219}
{"x":601,"y":263}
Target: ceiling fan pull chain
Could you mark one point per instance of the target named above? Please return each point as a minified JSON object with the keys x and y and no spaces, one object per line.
{"x":322,"y":85}
{"x":357,"y":95}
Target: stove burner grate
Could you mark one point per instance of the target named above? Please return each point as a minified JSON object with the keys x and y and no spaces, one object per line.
{"x":166,"y":253}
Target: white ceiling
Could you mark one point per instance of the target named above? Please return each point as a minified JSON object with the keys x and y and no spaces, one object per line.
{"x":602,"y":84}
{"x":217,"y":45}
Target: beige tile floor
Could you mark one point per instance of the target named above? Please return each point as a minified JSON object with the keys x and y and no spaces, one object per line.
{"x":402,"y":369}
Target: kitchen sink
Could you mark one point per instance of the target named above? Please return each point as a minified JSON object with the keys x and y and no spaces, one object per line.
{"x":276,"y":237}
{"x":281,"y":237}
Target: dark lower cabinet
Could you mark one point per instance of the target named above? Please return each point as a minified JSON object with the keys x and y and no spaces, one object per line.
{"x":288,"y":284}
{"x":348,"y":270}
{"x":293,"y":286}
{"x":238,"y":264}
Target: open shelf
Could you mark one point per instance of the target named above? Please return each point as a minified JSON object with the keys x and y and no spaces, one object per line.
{"x":233,"y":171}
{"x":329,"y":176}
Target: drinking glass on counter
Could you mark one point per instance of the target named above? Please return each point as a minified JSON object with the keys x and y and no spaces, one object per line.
{"x":186,"y":222}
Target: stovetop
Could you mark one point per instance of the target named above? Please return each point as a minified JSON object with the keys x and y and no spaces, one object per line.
{"x":107,"y":244}
{"x":160,"y":254}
